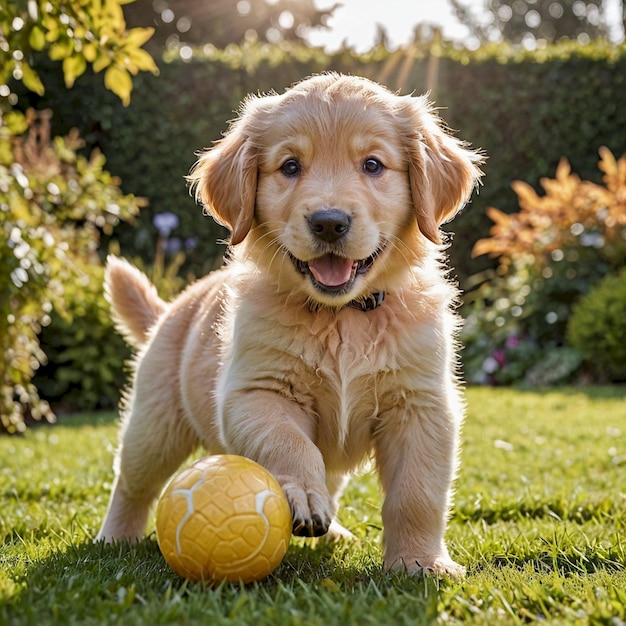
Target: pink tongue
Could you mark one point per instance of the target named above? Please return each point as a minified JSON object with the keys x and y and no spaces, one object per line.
{"x":331,"y":270}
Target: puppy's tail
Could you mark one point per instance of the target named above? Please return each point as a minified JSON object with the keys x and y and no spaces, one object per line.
{"x":135,"y":303}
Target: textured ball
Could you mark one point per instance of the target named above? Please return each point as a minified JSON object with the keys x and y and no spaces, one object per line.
{"x":224,"y":518}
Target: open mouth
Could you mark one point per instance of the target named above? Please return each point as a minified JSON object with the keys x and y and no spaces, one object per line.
{"x":335,"y":274}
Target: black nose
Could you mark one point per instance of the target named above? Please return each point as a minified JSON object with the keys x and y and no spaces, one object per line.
{"x":329,"y":224}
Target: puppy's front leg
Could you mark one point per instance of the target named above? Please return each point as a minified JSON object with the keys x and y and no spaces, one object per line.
{"x":416,"y":448}
{"x":277,"y":433}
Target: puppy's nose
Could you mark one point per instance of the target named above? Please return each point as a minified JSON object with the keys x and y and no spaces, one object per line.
{"x":329,"y":224}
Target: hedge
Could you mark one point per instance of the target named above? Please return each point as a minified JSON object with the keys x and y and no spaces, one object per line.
{"x":525,"y":110}
{"x":597,"y":328}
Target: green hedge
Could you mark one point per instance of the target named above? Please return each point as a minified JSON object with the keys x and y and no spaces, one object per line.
{"x":597,"y":328}
{"x":526,"y":110}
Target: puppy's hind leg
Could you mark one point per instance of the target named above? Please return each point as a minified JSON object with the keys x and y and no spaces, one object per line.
{"x":336,"y":483}
{"x":155,"y":441}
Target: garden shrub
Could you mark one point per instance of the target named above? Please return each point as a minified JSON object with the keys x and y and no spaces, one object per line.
{"x":597,"y":328}
{"x":85,"y":356}
{"x":54,"y":206}
{"x":549,"y":254}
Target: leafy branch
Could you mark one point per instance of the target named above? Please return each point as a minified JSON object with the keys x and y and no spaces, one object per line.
{"x":79,"y":33}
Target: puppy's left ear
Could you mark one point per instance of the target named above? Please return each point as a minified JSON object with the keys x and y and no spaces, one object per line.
{"x":225,"y":178}
{"x":443,"y":171}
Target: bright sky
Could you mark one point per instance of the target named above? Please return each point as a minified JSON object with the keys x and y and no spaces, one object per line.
{"x":355,"y":21}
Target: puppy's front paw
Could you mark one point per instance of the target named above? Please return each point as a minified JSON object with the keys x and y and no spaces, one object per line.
{"x":439,"y":566}
{"x":311,"y":507}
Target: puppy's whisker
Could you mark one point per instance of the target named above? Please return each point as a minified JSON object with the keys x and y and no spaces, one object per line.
{"x":261,"y":237}
{"x":403,"y":249}
{"x":278,"y":251}
{"x":262,"y":243}
{"x":284,"y":256}
{"x":269,"y":241}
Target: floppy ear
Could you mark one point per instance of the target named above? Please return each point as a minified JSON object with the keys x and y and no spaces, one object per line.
{"x":224,"y":179}
{"x":443,"y":171}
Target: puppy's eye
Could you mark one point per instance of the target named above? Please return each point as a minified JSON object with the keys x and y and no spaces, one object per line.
{"x":373,"y":166}
{"x":291,"y":167}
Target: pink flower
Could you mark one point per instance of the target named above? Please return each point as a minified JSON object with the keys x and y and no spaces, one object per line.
{"x":512,"y":342}
{"x":500,"y":356}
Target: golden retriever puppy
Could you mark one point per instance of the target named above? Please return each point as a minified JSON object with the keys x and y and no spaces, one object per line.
{"x":329,"y":336}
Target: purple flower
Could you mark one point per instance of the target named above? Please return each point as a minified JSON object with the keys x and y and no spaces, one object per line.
{"x":173,"y":245}
{"x":165,"y":223}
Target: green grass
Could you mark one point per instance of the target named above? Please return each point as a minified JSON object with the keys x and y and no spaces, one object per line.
{"x":539,"y":521}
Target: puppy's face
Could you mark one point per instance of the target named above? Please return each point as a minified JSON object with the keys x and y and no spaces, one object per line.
{"x":336,"y":185}
{"x":333,"y":195}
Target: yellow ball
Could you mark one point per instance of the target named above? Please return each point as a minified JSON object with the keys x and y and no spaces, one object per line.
{"x":224,"y":518}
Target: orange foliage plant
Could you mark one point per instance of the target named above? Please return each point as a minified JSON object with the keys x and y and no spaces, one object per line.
{"x":572,"y":212}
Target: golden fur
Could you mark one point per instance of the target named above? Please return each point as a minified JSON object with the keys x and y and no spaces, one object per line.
{"x":332,"y":191}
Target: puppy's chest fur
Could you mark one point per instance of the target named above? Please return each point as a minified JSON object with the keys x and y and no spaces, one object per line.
{"x":349,"y":369}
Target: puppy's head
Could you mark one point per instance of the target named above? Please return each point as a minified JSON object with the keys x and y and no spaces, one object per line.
{"x":336,"y":185}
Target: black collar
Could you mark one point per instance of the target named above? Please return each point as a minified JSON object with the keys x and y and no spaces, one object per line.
{"x":364,"y":303}
{"x":368,"y":303}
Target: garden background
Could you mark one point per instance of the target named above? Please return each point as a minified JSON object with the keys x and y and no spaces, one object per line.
{"x":536,"y":307}
{"x":100,"y":120}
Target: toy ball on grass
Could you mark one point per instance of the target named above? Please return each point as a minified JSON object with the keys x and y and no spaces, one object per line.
{"x":224,"y":518}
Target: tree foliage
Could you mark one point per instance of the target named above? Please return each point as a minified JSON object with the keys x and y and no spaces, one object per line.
{"x":76,"y":32}
{"x":531,"y":21}
{"x":223,"y":22}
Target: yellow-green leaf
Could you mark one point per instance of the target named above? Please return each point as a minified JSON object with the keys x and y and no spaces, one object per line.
{"x":142,"y":61}
{"x":73,"y":67}
{"x":31,"y":79}
{"x":137,"y":36}
{"x":15,"y":121}
{"x":51,"y":27}
{"x":37,"y":38}
{"x":90,"y":52}
{"x":110,"y":15}
{"x":103,"y":60}
{"x":118,"y":80}
{"x":61,"y":50}
{"x":6,"y":153}
{"x":6,"y":70}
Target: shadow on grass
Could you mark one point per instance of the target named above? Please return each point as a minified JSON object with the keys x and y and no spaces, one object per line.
{"x":309,"y":563}
{"x":93,"y":582}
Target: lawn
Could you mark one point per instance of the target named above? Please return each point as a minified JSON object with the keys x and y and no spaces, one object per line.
{"x":539,"y":521}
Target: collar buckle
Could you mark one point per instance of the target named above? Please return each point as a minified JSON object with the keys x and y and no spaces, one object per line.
{"x":368,"y":303}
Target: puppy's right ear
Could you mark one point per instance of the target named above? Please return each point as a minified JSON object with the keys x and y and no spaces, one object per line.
{"x":224,"y":179}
